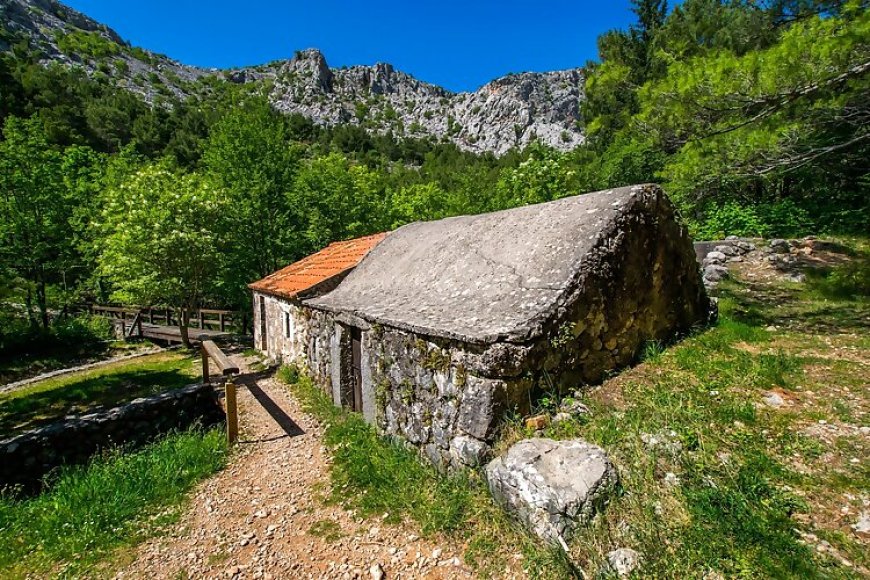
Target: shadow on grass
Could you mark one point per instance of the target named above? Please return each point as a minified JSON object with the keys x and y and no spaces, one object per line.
{"x":39,"y":406}
{"x":17,"y":366}
{"x":763,"y":305}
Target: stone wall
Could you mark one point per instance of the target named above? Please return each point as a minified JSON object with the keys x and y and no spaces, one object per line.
{"x":27,"y":458}
{"x":284,"y":342}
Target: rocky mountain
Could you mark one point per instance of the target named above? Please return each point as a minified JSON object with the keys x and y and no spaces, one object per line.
{"x":511,"y":111}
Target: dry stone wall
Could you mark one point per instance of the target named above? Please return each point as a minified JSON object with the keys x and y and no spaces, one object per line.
{"x":27,"y":458}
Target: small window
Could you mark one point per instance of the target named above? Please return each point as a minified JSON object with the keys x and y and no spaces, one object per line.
{"x":287,"y":323}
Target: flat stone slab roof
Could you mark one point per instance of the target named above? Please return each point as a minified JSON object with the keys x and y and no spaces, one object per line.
{"x":485,"y":277}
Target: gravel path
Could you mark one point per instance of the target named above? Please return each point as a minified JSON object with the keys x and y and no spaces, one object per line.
{"x":255,"y":518}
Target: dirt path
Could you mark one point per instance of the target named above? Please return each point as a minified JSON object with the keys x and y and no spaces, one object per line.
{"x":262,"y":517}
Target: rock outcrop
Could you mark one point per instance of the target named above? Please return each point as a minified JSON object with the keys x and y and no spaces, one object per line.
{"x":511,"y":111}
{"x":552,"y":486}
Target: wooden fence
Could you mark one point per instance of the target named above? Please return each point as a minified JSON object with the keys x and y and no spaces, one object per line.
{"x":203,"y":318}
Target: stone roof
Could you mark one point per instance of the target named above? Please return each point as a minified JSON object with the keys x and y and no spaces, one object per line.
{"x":482,"y":278}
{"x":311,"y":271}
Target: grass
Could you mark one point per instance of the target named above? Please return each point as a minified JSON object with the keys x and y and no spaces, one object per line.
{"x":105,"y":386}
{"x":81,"y":526}
{"x":375,"y":477}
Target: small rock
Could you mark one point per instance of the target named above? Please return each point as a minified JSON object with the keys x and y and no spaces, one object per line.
{"x":561,"y":417}
{"x":376,"y":572}
{"x":671,"y":479}
{"x":537,"y":422}
{"x":573,"y":406}
{"x":862,"y":526}
{"x":622,"y":561}
{"x":773,"y":399}
{"x":715,"y":257}
{"x":715,"y":273}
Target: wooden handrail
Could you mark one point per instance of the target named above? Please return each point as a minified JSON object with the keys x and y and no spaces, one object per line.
{"x":210,"y":350}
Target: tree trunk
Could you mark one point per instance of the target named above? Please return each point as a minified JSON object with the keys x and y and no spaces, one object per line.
{"x":28,"y":305}
{"x":183,"y":320}
{"x":42,"y":304}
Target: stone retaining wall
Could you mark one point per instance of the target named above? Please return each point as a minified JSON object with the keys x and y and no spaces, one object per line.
{"x":27,"y":458}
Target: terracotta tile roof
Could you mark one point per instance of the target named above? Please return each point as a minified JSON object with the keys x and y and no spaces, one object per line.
{"x":334,"y":259}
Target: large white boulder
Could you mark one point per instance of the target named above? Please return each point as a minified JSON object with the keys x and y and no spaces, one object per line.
{"x":552,"y":486}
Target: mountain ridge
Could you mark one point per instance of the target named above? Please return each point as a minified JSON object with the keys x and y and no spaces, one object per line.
{"x":510,"y":111}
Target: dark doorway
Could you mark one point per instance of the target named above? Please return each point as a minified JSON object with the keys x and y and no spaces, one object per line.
{"x":356,"y":368}
{"x":263,"y":344}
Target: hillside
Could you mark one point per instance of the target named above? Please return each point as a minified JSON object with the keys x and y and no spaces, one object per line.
{"x":511,"y":111}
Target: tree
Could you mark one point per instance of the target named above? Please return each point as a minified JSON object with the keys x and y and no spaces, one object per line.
{"x":249,"y":157}
{"x":546,"y":175}
{"x":162,"y":240}
{"x":750,"y":121}
{"x":35,"y":210}
{"x":336,"y":199}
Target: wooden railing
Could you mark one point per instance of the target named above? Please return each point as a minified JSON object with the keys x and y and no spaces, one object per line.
{"x":203,"y":318}
{"x":210,"y":351}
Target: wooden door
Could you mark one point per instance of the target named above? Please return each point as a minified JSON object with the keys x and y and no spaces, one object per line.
{"x":263,"y":343}
{"x":356,"y":368}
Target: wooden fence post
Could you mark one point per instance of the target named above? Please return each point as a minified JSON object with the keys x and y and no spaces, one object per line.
{"x":232,"y":412}
{"x":205,"y":376}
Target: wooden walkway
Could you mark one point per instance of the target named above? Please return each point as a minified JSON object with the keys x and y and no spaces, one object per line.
{"x":173,"y":334}
{"x":162,"y":323}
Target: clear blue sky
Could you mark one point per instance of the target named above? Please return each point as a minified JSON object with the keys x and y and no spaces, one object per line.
{"x":459,"y":44}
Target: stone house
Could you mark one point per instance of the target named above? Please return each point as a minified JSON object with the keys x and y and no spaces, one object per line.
{"x":445,"y":326}
{"x":280,"y":328}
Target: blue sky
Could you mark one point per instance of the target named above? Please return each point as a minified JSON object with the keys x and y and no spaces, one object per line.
{"x":459,"y":44}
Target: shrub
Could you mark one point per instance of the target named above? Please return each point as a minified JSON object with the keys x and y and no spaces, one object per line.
{"x":91,"y":44}
{"x":784,"y":219}
{"x":18,"y":336}
{"x":730,"y":219}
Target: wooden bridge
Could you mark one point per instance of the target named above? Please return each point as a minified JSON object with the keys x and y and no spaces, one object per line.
{"x":162,"y":323}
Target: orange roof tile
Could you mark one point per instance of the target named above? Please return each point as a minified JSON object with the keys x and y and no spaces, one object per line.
{"x":334,"y":259}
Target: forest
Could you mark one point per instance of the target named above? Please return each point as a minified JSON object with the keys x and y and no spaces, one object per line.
{"x":754,"y":115}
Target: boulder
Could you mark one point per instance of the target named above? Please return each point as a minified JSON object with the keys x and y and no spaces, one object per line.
{"x":779,"y":246}
{"x":715,"y":273}
{"x":552,"y":486}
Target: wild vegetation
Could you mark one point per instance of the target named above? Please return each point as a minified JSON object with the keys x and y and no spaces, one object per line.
{"x":80,"y":526}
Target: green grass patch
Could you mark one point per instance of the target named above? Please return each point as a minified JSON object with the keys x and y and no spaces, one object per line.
{"x":375,"y":476}
{"x":106,"y":386}
{"x":114,"y":502}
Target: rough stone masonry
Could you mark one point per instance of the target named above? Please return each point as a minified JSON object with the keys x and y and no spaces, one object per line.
{"x":464,"y":319}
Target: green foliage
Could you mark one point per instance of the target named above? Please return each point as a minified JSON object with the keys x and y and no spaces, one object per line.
{"x":731,"y":219}
{"x":117,"y":501}
{"x":162,"y":236}
{"x":35,"y":228}
{"x":88,"y":44}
